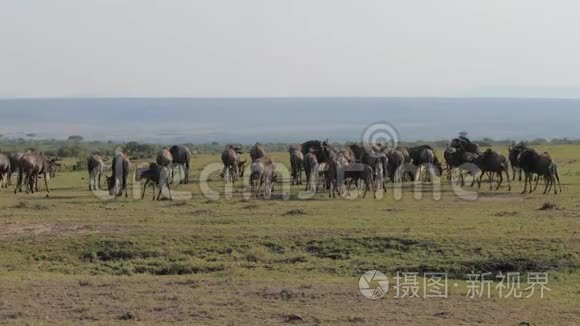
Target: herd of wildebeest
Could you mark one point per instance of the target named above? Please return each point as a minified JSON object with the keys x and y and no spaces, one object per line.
{"x":368,"y":166}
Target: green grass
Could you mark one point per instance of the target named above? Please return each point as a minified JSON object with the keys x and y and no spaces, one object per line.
{"x":74,"y":234}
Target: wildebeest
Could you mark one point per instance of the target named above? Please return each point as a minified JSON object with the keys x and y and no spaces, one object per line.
{"x":257,"y":151}
{"x":348,"y":154}
{"x":311,"y":167}
{"x":424,"y":158}
{"x":492,"y":162}
{"x":514,"y":153}
{"x":377,"y":160}
{"x":117,"y":182}
{"x":532,"y":163}
{"x":296,"y":164}
{"x":181,"y":157}
{"x":164,"y":157}
{"x":155,"y":175}
{"x":320,"y":176}
{"x":356,"y":172}
{"x":231,"y":160}
{"x":396,"y":160}
{"x":96,"y":167}
{"x":262,"y":176}
{"x":5,"y":171}
{"x":466,"y":144}
{"x":31,"y":165}
{"x":405,"y":153}
{"x":322,"y":149}
{"x":457,"y":159}
{"x":15,"y":165}
{"x":332,"y":177}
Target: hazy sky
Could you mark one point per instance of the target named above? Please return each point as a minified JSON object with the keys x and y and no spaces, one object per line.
{"x":218,"y":48}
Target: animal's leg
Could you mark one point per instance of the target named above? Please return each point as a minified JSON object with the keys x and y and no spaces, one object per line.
{"x":365,"y":186}
{"x":46,"y":183}
{"x":547,"y":185}
{"x":500,"y":180}
{"x":169,"y":191}
{"x":144,"y":188}
{"x":18,"y":182}
{"x":31,"y":182}
{"x":537,"y":182}
{"x":508,"y":180}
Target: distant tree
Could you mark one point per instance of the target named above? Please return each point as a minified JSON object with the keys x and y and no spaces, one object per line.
{"x":31,"y":135}
{"x":75,"y":138}
{"x":463,"y":134}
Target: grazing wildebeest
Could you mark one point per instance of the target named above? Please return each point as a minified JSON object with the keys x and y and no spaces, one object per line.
{"x":181,"y":157}
{"x":5,"y":170}
{"x":396,"y":159}
{"x":532,"y":163}
{"x":31,"y":165}
{"x":514,"y":153}
{"x":257,"y":151}
{"x":96,"y":167}
{"x":424,"y":158}
{"x":117,"y":182}
{"x":262,"y":175}
{"x":155,"y":175}
{"x":377,"y":160}
{"x":296,"y":164}
{"x":310,"y":164}
{"x":356,"y":172}
{"x":492,"y":162}
{"x":231,"y":160}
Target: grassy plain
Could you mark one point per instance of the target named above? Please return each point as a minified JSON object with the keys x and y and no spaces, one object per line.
{"x":73,"y":257}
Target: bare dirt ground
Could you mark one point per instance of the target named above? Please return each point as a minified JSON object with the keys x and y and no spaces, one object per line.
{"x":251,"y":302}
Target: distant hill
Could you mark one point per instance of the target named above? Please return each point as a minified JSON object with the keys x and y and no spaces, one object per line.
{"x":286,"y":119}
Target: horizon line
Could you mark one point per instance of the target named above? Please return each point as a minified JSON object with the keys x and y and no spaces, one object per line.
{"x":284,"y":97}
